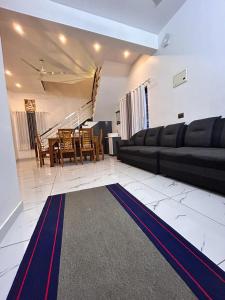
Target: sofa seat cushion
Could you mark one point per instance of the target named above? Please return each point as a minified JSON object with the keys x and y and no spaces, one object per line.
{"x":130,"y":149}
{"x":208,"y":157}
{"x":142,"y":150}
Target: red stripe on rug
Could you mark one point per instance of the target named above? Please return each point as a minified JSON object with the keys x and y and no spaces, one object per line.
{"x":33,"y":252}
{"x":53,"y":251}
{"x":164,"y":247}
{"x":168,"y":230}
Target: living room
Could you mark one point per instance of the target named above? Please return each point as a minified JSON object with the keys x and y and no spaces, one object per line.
{"x":148,"y":220}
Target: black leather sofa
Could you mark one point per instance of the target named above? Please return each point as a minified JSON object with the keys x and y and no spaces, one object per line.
{"x":194,"y":153}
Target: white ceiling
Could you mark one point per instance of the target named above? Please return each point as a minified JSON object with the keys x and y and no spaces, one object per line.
{"x":40,"y":41}
{"x":143,"y":14}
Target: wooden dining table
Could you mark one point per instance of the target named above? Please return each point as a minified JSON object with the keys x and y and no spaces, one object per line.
{"x":54,"y":141}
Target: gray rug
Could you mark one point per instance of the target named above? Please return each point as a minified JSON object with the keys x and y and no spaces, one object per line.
{"x":105,"y":255}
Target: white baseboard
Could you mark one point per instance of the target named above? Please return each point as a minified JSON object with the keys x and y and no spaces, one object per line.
{"x":10,"y":220}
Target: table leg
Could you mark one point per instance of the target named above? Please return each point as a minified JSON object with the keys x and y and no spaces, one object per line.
{"x":97,"y":151}
{"x":51,"y":153}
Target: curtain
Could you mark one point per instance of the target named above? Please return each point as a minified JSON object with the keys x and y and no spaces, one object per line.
{"x":139,"y":112}
{"x":123,"y":119}
{"x":20,"y":129}
{"x":129,"y":115}
{"x":126,"y":117}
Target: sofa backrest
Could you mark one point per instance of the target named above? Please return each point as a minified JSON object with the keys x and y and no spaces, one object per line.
{"x":222,"y":136}
{"x":152,"y":137}
{"x":199,"y":133}
{"x":139,"y":138}
{"x":218,"y":135}
{"x":173,"y":135}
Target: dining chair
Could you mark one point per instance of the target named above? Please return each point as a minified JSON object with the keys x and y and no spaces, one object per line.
{"x":44,"y":152}
{"x":67,"y":145}
{"x":86,"y":143}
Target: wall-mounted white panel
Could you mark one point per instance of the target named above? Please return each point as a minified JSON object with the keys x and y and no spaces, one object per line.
{"x":180,"y":78}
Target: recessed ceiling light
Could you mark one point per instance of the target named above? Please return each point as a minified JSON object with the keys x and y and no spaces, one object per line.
{"x":18,"y":85}
{"x":7,"y":72}
{"x":126,"y":54}
{"x":97,"y":47}
{"x":18,"y":28}
{"x":62,"y":38}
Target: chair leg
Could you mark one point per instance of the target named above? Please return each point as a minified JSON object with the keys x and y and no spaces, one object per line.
{"x":94,"y":156}
{"x":41,"y":161}
{"x":103,"y":154}
{"x":61,"y":158}
{"x":81,"y":157}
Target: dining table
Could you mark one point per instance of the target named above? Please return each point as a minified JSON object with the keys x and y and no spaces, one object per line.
{"x":54,"y":141}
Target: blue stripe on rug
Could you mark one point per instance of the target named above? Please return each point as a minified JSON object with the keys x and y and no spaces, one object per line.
{"x":205,"y":279}
{"x":37,"y":276}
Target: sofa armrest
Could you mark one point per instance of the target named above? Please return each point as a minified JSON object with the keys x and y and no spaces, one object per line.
{"x":122,"y":143}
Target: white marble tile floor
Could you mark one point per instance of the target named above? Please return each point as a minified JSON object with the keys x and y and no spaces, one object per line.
{"x":196,"y":214}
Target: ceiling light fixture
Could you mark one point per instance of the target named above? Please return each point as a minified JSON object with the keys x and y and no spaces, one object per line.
{"x":18,"y":28}
{"x":18,"y":85}
{"x":7,"y":72}
{"x":62,"y":38}
{"x":126,"y":54}
{"x":97,"y":47}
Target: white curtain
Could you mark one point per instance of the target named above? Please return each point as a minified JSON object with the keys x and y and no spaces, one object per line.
{"x":123,"y":119}
{"x":20,"y":129}
{"x":138,"y":103}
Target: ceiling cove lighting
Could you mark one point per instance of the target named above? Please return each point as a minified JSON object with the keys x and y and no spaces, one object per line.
{"x":18,"y":28}
{"x":8,"y":73}
{"x":18,"y":85}
{"x":62,"y":38}
{"x":97,"y":47}
{"x":126,"y":54}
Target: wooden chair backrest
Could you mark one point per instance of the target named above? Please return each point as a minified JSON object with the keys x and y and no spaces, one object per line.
{"x":66,"y":139}
{"x":62,"y":132}
{"x":86,"y":138}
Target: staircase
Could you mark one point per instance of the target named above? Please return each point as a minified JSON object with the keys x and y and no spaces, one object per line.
{"x":73,"y":120}
{"x":76,"y":118}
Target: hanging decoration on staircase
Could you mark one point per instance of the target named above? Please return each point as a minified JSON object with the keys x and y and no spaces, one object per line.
{"x":30,"y":108}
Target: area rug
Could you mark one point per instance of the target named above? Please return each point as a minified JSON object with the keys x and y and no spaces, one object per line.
{"x":103,"y":243}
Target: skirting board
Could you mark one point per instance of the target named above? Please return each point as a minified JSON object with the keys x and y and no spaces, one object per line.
{"x":10,"y":220}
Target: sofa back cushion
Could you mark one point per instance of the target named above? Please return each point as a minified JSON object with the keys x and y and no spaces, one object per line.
{"x":173,"y":135}
{"x":222,"y":136}
{"x":199,"y":132}
{"x":152,"y":136}
{"x":217,"y":135}
{"x":139,"y":138}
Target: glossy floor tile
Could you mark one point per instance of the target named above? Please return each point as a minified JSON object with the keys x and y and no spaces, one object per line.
{"x":196,"y":214}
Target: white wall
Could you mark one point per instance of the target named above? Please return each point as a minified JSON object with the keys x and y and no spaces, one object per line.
{"x":112,"y":88}
{"x":197,"y":42}
{"x":58,"y":101}
{"x":9,"y":188}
